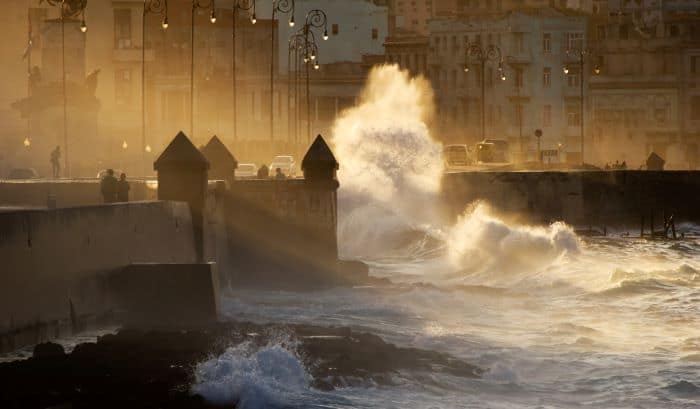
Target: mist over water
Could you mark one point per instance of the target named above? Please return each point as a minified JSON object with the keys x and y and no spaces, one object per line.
{"x":556,"y":320}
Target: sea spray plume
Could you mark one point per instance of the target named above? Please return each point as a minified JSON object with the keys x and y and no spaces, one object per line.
{"x":249,"y":377}
{"x":391,"y":167}
{"x":385,"y":145}
{"x":480,"y":242}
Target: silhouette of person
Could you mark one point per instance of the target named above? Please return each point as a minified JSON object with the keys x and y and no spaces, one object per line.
{"x":617,"y":165}
{"x":108,"y":187}
{"x":56,"y":161}
{"x":123,"y":189}
{"x":279,"y":175}
{"x":624,"y":165}
{"x":263,"y":172}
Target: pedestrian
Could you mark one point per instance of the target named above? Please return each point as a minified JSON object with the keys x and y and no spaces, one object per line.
{"x":263,"y":172}
{"x":123,"y":189}
{"x":108,"y":187}
{"x":279,"y":175}
{"x":56,"y":161}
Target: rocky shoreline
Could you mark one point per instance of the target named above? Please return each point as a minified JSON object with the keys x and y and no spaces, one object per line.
{"x":156,"y":369}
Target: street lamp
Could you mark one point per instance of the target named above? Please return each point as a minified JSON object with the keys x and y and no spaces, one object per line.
{"x":285,"y":7}
{"x":580,"y":56}
{"x":197,"y":4}
{"x":67,"y":10}
{"x":484,"y":54}
{"x":246,"y":6}
{"x":158,"y":7}
{"x":296,"y":44}
{"x":315,"y":18}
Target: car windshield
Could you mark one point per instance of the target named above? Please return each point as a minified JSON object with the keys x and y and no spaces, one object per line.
{"x":282,"y":159}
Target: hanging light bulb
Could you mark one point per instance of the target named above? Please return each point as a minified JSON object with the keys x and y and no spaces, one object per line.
{"x":124,"y":144}
{"x":148,"y":148}
{"x":83,"y":26}
{"x":27,"y":142}
{"x":306,"y":59}
{"x":597,"y":70}
{"x":313,"y":56}
{"x":291,"y":21}
{"x":466,"y":68}
{"x":212,"y":18}
{"x":325,"y":34}
{"x":316,"y":66}
{"x":253,"y":19}
{"x":503,"y":77}
{"x":566,"y":69}
{"x":165,"y":23}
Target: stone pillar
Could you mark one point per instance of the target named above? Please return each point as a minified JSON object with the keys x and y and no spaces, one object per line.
{"x":319,"y":167}
{"x":183,"y":177}
{"x":222,"y":163}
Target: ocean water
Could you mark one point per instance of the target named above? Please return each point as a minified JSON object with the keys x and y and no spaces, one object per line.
{"x":556,"y":321}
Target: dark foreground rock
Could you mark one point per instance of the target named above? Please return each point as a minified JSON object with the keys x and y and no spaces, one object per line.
{"x":138,"y":369}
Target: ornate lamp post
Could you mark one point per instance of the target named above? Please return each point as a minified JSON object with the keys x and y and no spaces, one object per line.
{"x":197,"y":4}
{"x":296,"y":44}
{"x":285,"y":7}
{"x":68,"y":9}
{"x":484,"y":54}
{"x":245,"y":6}
{"x":579,"y":56}
{"x":314,"y":19}
{"x":158,"y":7}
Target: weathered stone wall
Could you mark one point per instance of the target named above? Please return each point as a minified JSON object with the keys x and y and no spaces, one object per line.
{"x":609,"y":198}
{"x":52,"y":256}
{"x":282,"y":232}
{"x":68,"y":193}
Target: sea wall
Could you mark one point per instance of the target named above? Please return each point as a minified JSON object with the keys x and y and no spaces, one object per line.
{"x":52,"y":258}
{"x":282,"y":232}
{"x":66,"y":192}
{"x":596,"y":198}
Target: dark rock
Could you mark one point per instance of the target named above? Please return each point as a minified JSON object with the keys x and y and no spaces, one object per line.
{"x":48,"y":350}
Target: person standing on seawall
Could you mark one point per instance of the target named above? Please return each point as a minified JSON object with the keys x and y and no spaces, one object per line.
{"x":108,"y":187}
{"x":56,"y":161}
{"x":123,"y":189}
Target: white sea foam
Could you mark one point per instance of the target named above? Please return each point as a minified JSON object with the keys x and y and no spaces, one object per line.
{"x":252,"y":379}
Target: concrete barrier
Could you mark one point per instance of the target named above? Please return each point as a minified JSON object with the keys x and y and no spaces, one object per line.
{"x":52,"y":256}
{"x":166,"y":295}
{"x":609,"y":198}
{"x":66,"y":192}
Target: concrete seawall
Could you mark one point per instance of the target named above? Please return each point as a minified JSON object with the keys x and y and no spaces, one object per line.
{"x":52,"y":256}
{"x":67,"y":192}
{"x":610,"y":198}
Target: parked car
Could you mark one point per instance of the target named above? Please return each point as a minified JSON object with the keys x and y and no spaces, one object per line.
{"x":286,"y":164}
{"x":23,"y":173}
{"x":457,"y":155}
{"x":246,"y":171}
{"x":492,"y":151}
{"x":102,"y":173}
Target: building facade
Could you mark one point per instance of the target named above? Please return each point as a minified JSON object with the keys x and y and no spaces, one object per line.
{"x":647,"y":98}
{"x":524,"y":86}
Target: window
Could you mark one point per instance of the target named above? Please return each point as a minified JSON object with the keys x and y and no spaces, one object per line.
{"x":573,"y":114}
{"x":546,"y":77}
{"x":334,"y":29}
{"x":574,"y":41}
{"x":695,"y":64}
{"x":547,"y":43}
{"x":600,"y":32}
{"x":660,"y":115}
{"x":573,"y":78}
{"x":518,"y":108}
{"x":519,"y":77}
{"x":673,"y":30}
{"x":624,"y":32}
{"x":695,"y":108}
{"x":122,"y":87}
{"x":122,"y":28}
{"x":547,"y":115}
{"x":519,"y":42}
{"x":375,"y":34}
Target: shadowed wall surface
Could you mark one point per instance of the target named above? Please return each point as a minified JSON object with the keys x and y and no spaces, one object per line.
{"x":68,"y":192}
{"x":51,"y":256}
{"x":614,"y":198}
